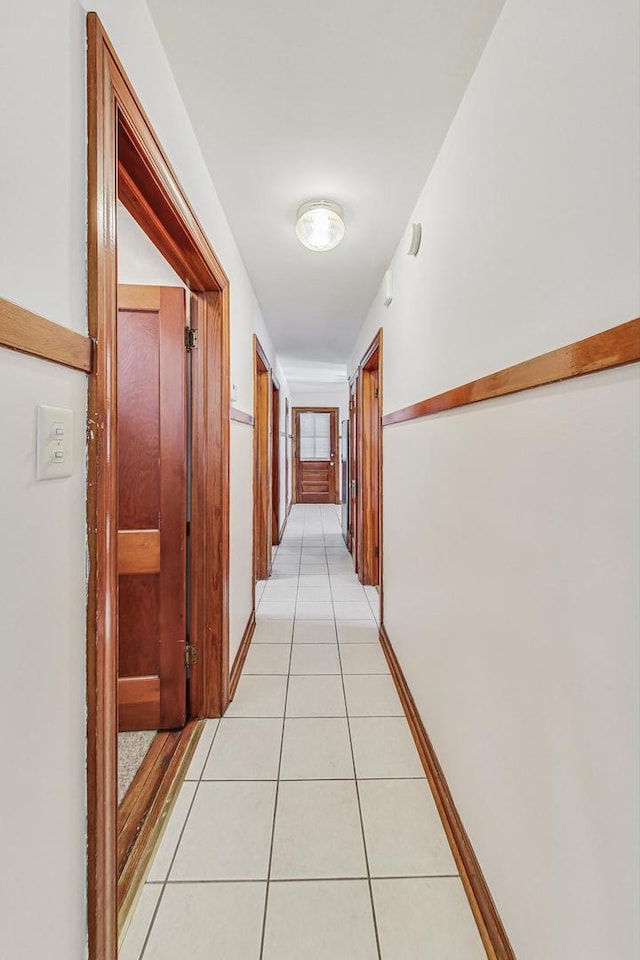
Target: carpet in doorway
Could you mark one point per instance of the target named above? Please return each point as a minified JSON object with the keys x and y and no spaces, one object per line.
{"x":132,"y":749}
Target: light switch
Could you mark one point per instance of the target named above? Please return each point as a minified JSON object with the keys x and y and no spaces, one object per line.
{"x":54,"y":443}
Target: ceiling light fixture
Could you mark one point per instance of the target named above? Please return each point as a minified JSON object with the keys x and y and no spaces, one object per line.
{"x":320,"y":225}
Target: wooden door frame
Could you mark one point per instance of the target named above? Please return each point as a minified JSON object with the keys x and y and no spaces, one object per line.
{"x":369,"y":476}
{"x":335,"y":412}
{"x":262,"y":470}
{"x":353,"y":468}
{"x":126,"y":162}
{"x":287,"y":498}
{"x":275,"y":462}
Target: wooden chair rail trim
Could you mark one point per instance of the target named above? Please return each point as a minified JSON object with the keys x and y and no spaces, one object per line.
{"x":29,"y":333}
{"x":241,"y":655}
{"x":239,"y":416}
{"x":611,"y":348}
{"x":492,"y":932}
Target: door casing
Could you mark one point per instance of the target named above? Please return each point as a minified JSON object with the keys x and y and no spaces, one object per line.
{"x":369,"y":465}
{"x":335,"y":432}
{"x":262,"y":468}
{"x":275,"y":462}
{"x":127,"y":162}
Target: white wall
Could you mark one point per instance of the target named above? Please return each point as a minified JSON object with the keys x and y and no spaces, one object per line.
{"x":511,"y":552}
{"x":42,"y":524}
{"x":42,"y":539}
{"x":329,"y":395}
{"x":139,"y":261}
{"x":241,"y":525}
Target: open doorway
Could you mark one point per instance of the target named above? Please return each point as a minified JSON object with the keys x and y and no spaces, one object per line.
{"x":126,"y":163}
{"x":366,"y":413}
{"x":262,"y":459}
{"x":275,"y":463}
{"x":315,"y":455}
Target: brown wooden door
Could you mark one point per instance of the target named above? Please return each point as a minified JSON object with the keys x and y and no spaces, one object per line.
{"x":152,"y":498}
{"x":316,"y":462}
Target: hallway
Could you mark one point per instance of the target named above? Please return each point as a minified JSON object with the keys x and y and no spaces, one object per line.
{"x":305,"y":827}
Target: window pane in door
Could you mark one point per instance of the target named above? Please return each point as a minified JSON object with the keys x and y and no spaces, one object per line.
{"x":315,"y":434}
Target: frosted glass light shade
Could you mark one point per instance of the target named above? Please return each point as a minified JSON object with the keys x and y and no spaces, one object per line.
{"x":320,"y":225}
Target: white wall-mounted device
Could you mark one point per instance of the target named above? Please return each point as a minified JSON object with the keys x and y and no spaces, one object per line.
{"x":414,"y":238}
{"x":387,"y":288}
{"x":54,"y":443}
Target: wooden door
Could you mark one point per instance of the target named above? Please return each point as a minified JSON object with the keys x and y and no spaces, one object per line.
{"x":316,"y":461}
{"x":152,"y":498}
{"x":275,"y":464}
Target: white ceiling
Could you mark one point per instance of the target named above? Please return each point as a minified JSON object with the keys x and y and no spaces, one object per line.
{"x":348,"y":100}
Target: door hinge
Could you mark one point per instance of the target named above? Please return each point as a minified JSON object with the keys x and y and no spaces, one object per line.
{"x":377,"y":391}
{"x":190,"y":654}
{"x":190,"y":338}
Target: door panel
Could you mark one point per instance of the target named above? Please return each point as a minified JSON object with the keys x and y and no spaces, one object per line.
{"x":316,"y":436}
{"x":152,"y":496}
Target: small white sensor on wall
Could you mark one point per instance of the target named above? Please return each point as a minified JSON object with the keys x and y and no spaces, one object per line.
{"x":387,"y":288}
{"x":414,"y":238}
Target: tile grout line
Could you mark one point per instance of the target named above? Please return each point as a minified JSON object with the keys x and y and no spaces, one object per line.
{"x":178,"y":842}
{"x":283,"y":880}
{"x":275,"y":804}
{"x":355,"y":777}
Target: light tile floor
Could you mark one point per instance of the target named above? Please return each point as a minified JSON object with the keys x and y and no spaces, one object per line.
{"x":305,"y":829}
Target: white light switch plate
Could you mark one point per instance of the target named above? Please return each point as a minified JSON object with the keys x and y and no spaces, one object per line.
{"x":54,"y":443}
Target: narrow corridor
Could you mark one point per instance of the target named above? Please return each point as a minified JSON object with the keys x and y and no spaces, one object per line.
{"x":305,"y":827}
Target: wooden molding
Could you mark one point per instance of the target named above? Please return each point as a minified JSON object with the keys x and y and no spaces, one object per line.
{"x":603,"y":351}
{"x":239,"y":416}
{"x":241,"y":655}
{"x":368,"y":456}
{"x":29,"y":333}
{"x":145,"y":810}
{"x":493,"y":934}
{"x":262,"y":464}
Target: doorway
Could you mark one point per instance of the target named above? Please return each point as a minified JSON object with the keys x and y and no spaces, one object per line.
{"x":275,"y":463}
{"x":315,"y":455}
{"x":126,"y":162}
{"x":366,"y":416}
{"x":352,"y":539}
{"x":262,"y":459}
